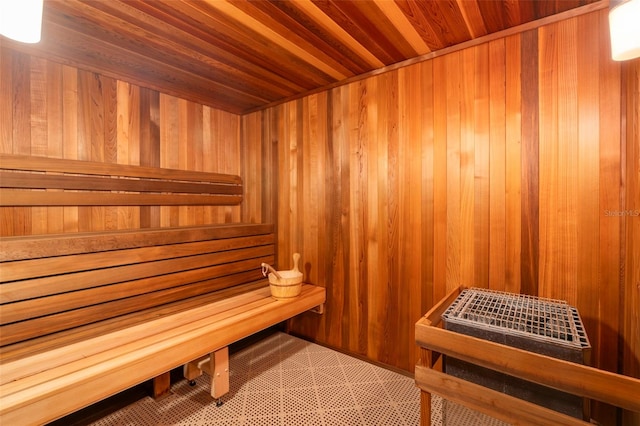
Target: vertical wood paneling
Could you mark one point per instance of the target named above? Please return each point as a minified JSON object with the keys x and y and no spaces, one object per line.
{"x":338,"y":275}
{"x":408,"y":278}
{"x":362,"y":203}
{"x":251,"y":135}
{"x":38,"y":119}
{"x":70,"y":134}
{"x":495,"y":164}
{"x":551,"y":256}
{"x":529,"y":217}
{"x":170,"y":137}
{"x":481,"y":167}
{"x":513,"y":166}
{"x":6,"y":100}
{"x":440,"y":74}
{"x":453,"y":64}
{"x":566,"y":272}
{"x":631,"y":295}
{"x":59,"y":111}
{"x":7,"y":216}
{"x":467,"y":167}
{"x":508,"y":145}
{"x":21,"y":98}
{"x":426,"y":243}
{"x":588,"y":176}
{"x":55,"y":145}
{"x":611,"y":266}
{"x":497,"y":168}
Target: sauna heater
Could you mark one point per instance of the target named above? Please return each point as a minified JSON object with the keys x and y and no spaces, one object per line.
{"x":544,"y":326}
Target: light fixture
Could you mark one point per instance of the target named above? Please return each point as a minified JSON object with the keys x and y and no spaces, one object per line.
{"x":21,"y":20}
{"x":624,"y":27}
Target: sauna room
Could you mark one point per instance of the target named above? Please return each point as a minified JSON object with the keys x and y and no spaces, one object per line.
{"x":335,"y":212}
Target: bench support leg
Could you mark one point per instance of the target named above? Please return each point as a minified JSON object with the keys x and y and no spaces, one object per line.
{"x":192,"y":370}
{"x":217,"y":366}
{"x":162,"y":385}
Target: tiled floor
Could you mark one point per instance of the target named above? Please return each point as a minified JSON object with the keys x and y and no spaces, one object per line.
{"x":283,"y":380}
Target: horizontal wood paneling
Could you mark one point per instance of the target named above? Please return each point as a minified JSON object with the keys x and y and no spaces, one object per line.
{"x":62,"y":112}
{"x":493,"y":166}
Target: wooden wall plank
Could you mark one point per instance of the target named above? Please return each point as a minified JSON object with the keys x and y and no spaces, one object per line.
{"x":497,"y":168}
{"x":631,"y":296}
{"x":454,"y":97}
{"x":6,"y":100}
{"x":467,"y":167}
{"x":549,"y":175}
{"x":513,"y":165}
{"x":38,"y":119}
{"x":70,"y":134}
{"x":481,"y":166}
{"x":426,"y":241}
{"x":55,"y":144}
{"x":440,"y":73}
{"x":409,"y":276}
{"x":529,"y":217}
{"x":567,"y":166}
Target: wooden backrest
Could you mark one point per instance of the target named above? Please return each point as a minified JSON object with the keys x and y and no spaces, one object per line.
{"x":87,"y":183}
{"x":52,"y":283}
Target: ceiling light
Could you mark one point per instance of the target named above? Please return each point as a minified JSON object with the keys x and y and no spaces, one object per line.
{"x":21,"y":20}
{"x":624,"y":25}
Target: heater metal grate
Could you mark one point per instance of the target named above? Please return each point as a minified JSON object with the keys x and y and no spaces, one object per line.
{"x":548,"y":320}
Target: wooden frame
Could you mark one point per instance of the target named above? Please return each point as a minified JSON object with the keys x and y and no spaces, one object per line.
{"x":588,"y":382}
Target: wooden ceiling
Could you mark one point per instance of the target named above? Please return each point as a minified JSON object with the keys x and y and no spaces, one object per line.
{"x":239,"y":55}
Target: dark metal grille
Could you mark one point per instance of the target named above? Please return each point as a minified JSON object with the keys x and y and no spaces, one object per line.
{"x":549,"y":320}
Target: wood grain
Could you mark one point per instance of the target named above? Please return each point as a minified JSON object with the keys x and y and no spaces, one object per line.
{"x":631,"y":299}
{"x":331,"y":143}
{"x":106,"y":122}
{"x":52,"y":290}
{"x":112,"y":360}
{"x":498,"y":130}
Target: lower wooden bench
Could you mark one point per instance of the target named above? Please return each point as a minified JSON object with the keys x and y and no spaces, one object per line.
{"x":85,"y":316}
{"x":47,"y":385}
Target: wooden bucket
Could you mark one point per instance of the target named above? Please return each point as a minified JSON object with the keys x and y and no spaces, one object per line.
{"x":289,"y":284}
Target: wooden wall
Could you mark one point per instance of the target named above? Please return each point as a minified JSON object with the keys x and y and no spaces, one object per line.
{"x":52,"y":110}
{"x":500,"y":166}
{"x":512,"y":165}
{"x":630,"y":342}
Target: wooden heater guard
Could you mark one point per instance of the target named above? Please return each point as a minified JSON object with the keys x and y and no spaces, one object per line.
{"x":588,"y":382}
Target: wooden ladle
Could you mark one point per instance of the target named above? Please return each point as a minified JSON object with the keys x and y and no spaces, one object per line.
{"x":266,"y":268}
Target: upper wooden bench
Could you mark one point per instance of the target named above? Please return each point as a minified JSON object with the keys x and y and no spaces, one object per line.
{"x":84,"y":316}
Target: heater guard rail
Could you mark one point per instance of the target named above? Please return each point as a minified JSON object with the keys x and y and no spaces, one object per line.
{"x":588,"y":382}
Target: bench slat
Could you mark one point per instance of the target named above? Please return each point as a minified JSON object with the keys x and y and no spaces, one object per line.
{"x":16,"y":198}
{"x":60,"y":165}
{"x":34,"y":247}
{"x":85,"y":183}
{"x":215,"y":277}
{"x":67,"y":280}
